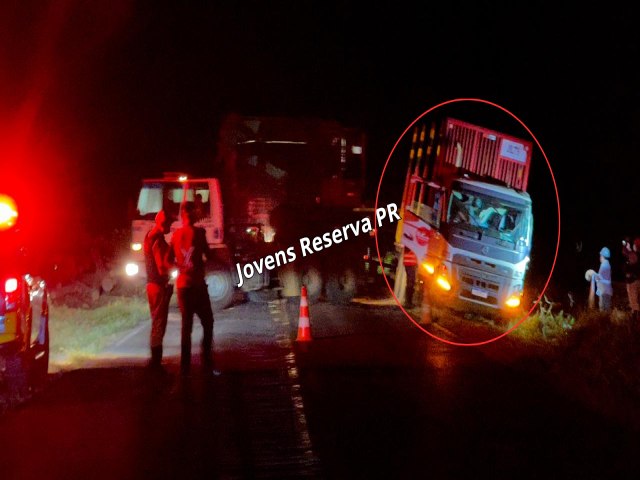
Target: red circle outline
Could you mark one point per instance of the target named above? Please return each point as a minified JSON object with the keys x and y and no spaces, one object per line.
{"x":555,"y":257}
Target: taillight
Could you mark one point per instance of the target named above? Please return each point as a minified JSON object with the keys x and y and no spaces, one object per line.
{"x":10,"y":293}
{"x":11,"y":285}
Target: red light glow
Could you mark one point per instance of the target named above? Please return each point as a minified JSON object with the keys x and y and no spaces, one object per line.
{"x":8,"y":212}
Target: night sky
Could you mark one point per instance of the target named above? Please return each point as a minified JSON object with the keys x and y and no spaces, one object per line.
{"x":96,"y":95}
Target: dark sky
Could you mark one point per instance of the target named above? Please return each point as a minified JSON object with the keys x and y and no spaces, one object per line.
{"x":96,"y":95}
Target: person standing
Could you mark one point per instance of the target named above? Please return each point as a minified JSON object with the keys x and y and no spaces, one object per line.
{"x":604,"y":288}
{"x":631,"y":274}
{"x":410,"y":262}
{"x":157,"y":259}
{"x":190,"y":248}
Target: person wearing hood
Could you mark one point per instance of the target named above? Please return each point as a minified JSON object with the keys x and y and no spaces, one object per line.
{"x":604,"y":288}
{"x":158,"y":261}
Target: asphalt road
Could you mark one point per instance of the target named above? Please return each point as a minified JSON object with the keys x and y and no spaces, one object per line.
{"x":369,"y":397}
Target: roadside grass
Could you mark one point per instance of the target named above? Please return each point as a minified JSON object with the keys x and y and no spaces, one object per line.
{"x":594,"y":354}
{"x":590,"y":355}
{"x":78,"y":332}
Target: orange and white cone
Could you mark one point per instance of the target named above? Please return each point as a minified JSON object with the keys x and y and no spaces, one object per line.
{"x":304,"y":327}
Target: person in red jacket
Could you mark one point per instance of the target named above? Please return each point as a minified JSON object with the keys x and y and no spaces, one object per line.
{"x":191,"y":250}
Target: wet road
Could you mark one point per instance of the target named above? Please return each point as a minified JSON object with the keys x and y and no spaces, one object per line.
{"x":369,"y":397}
{"x":386,"y":401}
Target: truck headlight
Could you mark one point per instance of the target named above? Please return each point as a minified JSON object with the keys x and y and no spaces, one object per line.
{"x":513,"y":301}
{"x":429,"y":268}
{"x":443,"y":283}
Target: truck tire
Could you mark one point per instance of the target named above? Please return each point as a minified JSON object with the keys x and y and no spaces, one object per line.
{"x":312,"y":279}
{"x":342,"y":287}
{"x":220,"y":287}
{"x":291,"y":281}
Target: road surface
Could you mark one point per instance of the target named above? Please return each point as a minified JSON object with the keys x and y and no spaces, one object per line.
{"x":369,"y":397}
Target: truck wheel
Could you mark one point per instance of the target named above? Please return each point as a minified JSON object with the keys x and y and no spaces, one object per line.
{"x":292,"y":280}
{"x":342,"y":287}
{"x":313,"y":280}
{"x":289,"y":281}
{"x":220,"y":288}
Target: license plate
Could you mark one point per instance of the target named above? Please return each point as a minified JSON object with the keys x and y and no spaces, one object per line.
{"x":479,"y":293}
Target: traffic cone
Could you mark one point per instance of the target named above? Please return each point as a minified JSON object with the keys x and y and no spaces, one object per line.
{"x":304,"y":327}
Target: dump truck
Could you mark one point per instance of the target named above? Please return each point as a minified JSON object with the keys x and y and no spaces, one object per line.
{"x":467,"y":216}
{"x":168,"y":193}
{"x":273,"y":181}
{"x":290,"y":177}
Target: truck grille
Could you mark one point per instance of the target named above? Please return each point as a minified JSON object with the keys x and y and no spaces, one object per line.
{"x":477,"y":284}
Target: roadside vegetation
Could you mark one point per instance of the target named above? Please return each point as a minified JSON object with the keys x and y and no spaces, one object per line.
{"x":592,"y":355}
{"x":77,"y":332}
{"x":91,"y":303}
{"x":597,"y":355}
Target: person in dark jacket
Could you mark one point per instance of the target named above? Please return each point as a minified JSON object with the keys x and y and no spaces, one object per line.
{"x":632,"y":274}
{"x":157,"y":260}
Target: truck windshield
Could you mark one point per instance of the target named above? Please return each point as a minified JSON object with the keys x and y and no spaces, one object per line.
{"x":489,"y":215}
{"x":168,"y":196}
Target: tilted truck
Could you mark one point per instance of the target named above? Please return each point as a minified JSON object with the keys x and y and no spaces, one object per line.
{"x":467,"y":216}
{"x":280,"y":179}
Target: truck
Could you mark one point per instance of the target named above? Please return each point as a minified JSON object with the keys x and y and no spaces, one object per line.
{"x":168,"y":193}
{"x":24,"y":311}
{"x":467,"y":217}
{"x":274,"y":180}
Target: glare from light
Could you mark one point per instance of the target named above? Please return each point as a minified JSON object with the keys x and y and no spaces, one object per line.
{"x":11,"y":285}
{"x":513,"y":301}
{"x":182,"y":178}
{"x":443,"y":283}
{"x":429,"y":268}
{"x":356,"y":150}
{"x":174,"y":274}
{"x":136,"y":247}
{"x":268,"y":234}
{"x":8,"y":212}
{"x":131,"y":269}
